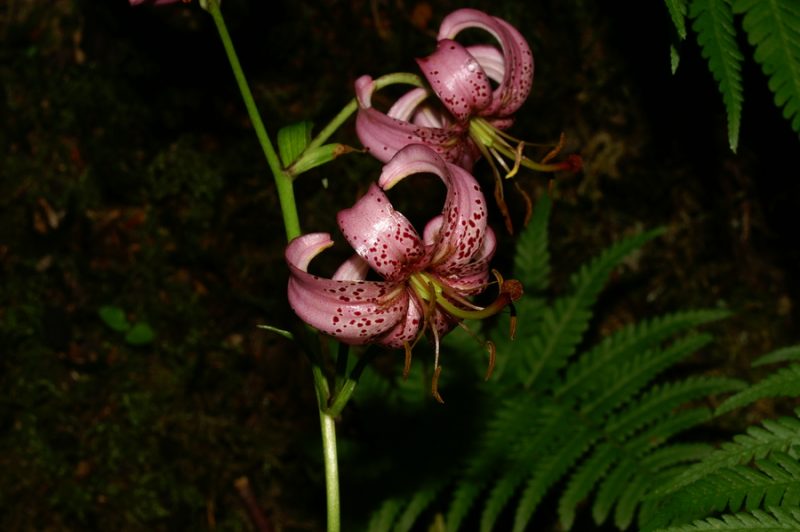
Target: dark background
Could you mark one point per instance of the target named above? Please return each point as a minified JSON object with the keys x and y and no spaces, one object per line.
{"x":130,"y":177}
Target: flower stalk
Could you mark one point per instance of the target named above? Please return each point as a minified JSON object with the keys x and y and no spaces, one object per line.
{"x":283,"y":181}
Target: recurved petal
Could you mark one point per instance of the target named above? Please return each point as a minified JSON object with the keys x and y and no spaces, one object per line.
{"x":353,"y":311}
{"x":407,"y":329}
{"x":463,"y":227}
{"x":353,"y":269}
{"x":470,"y":278}
{"x":517,"y":80}
{"x":457,"y":79}
{"x":383,"y":135}
{"x":382,"y":236}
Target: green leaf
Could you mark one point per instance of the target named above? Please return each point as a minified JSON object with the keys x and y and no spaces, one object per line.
{"x":317,"y":157}
{"x":772,"y":27}
{"x":782,"y":383}
{"x":292,"y":140}
{"x":713,"y":22}
{"x":114,"y":317}
{"x":532,"y":260}
{"x":140,"y":334}
{"x":779,"y":355}
{"x":677,"y":11}
{"x":674,"y":59}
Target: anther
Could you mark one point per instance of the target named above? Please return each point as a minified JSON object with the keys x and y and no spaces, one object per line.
{"x":435,"y":384}
{"x":492,"y":359}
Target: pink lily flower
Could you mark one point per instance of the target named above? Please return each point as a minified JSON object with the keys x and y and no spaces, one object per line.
{"x":426,"y":279}
{"x":474,"y":115}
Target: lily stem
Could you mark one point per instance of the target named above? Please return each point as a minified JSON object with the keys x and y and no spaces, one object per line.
{"x":283,"y":181}
{"x":352,"y":105}
{"x":291,"y":221}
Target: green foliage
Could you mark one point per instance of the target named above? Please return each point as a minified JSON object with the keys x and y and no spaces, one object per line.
{"x":756,"y":473}
{"x":771,"y":27}
{"x":139,"y":333}
{"x":593,"y":417}
{"x":713,"y":22}
{"x":785,"y":382}
{"x":756,"y":520}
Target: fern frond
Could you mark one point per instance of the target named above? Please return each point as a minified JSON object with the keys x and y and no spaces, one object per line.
{"x":549,"y":471}
{"x":584,"y":480}
{"x":775,"y":483}
{"x":421,"y":499}
{"x":677,"y":11}
{"x":383,"y":518}
{"x":661,"y":400}
{"x":780,"y":519}
{"x":634,"y":452}
{"x":623,"y":381}
{"x":532,"y":259}
{"x":782,"y":383}
{"x":530,"y":454}
{"x":621,"y":346}
{"x":773,"y":27}
{"x":512,"y":421}
{"x":780,"y":355}
{"x":563,"y":325}
{"x":713,"y":22}
{"x":773,"y":436}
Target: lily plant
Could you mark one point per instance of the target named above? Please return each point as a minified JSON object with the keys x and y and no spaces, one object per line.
{"x":402,"y":284}
{"x":426,"y":279}
{"x":478,"y":90}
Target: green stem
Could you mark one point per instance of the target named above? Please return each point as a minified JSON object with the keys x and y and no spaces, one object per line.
{"x":283,"y":181}
{"x":352,"y":105}
{"x":291,"y":223}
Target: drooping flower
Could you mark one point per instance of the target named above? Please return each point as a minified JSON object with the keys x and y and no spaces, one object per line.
{"x":426,"y":279}
{"x":472,"y":115}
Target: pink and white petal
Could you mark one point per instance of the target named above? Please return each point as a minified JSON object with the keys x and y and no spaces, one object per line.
{"x":406,"y":105}
{"x":457,"y":79}
{"x":491,"y":60}
{"x":353,"y":269}
{"x":427,"y":116}
{"x":354,"y":312}
{"x":407,"y":329}
{"x":431,"y":232}
{"x":518,"y":59}
{"x":471,"y":278}
{"x":461,"y":232}
{"x":382,"y":236}
{"x":384,"y":136}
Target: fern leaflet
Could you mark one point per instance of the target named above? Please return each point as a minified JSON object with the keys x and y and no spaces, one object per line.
{"x":564,"y":324}
{"x":774,"y":435}
{"x":677,"y":11}
{"x":746,"y":522}
{"x":782,"y":383}
{"x":713,"y":22}
{"x":624,"y":344}
{"x":532,"y":260}
{"x":773,"y":27}
{"x":779,"y":355}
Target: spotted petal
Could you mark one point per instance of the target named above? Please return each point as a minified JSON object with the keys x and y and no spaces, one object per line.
{"x":463,"y":227}
{"x":353,"y":311}
{"x":384,"y":135}
{"x":517,"y":79}
{"x":381,"y":236}
{"x":457,"y":79}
